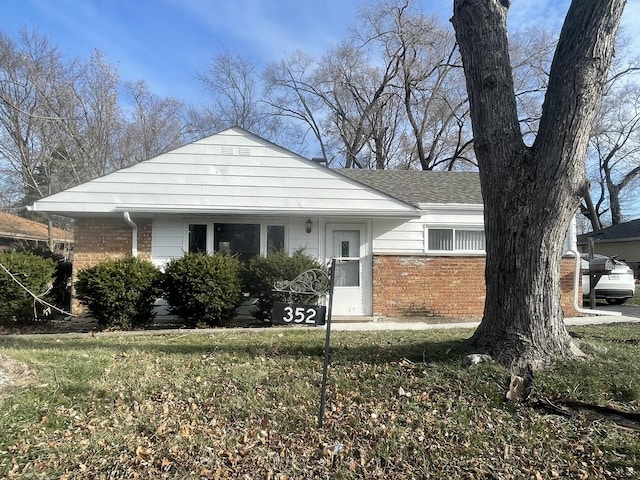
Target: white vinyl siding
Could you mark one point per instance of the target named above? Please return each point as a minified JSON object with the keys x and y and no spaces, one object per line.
{"x":625,"y":250}
{"x":232,"y":172}
{"x":395,"y":237}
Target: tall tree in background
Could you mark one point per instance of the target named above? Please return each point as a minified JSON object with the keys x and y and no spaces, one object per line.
{"x":234,"y":84}
{"x":291,"y":95}
{"x":531,"y":52}
{"x":531,"y":192}
{"x":29,"y":73}
{"x":58,"y":117}
{"x":389,"y":96}
{"x":614,"y":147}
{"x":62,"y":120}
{"x":92,"y":118}
{"x":430,"y":85}
{"x":355,"y":90}
{"x":152,"y":125}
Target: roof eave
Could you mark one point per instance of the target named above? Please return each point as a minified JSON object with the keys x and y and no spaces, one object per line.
{"x":407,"y":213}
{"x":583,"y":240}
{"x":367,"y":213}
{"x":451,"y":206}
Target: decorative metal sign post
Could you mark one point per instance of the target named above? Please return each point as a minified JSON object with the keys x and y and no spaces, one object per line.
{"x":325,"y":364}
{"x":314,"y":283}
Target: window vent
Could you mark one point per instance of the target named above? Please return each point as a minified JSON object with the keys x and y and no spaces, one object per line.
{"x":244,"y":151}
{"x":227,"y":150}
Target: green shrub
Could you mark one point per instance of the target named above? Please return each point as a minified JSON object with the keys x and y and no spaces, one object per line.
{"x":261,"y":274}
{"x":61,"y":291}
{"x":35,"y":273}
{"x":62,"y":285}
{"x":201,"y":288}
{"x":120,"y":293}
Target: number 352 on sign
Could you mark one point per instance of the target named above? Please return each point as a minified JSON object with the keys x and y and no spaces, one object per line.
{"x":298,"y":314}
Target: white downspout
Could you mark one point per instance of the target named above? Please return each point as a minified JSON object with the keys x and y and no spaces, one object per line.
{"x":134,"y":234}
{"x":578,"y":273}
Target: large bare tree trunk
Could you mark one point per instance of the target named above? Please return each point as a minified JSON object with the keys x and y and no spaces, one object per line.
{"x":531,"y":193}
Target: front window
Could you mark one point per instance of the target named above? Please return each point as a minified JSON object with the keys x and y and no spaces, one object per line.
{"x":245,"y":240}
{"x":239,"y":239}
{"x":197,"y":238}
{"x":455,"y":240}
{"x":275,"y":238}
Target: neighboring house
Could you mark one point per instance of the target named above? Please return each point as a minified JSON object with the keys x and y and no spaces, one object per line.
{"x":16,"y":231}
{"x":408,"y":243}
{"x":621,"y":241}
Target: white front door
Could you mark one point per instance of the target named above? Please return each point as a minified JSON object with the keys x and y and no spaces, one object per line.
{"x":352,"y":278}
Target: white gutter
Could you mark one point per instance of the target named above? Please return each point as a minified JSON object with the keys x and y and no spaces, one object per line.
{"x":304,"y":212}
{"x":577,"y":274}
{"x":134,"y":234}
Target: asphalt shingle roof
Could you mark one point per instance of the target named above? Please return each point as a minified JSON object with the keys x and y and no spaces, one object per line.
{"x":12,"y":226}
{"x":615,"y":232}
{"x":416,"y":187}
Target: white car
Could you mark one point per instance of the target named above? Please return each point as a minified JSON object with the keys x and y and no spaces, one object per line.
{"x":616,"y":287}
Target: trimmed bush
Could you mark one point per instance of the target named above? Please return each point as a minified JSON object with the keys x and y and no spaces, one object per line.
{"x":62,"y":285}
{"x":61,"y":292}
{"x":120,"y":293}
{"x":202,"y":288}
{"x":35,"y":273}
{"x":261,"y":274}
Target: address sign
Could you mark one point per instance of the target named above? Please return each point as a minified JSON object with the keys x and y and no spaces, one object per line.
{"x":298,"y":314}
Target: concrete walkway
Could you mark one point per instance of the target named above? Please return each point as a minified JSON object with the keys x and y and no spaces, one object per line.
{"x":591,"y":320}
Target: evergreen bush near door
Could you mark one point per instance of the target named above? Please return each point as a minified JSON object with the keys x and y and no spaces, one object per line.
{"x":202,"y":288}
{"x":261,"y":274}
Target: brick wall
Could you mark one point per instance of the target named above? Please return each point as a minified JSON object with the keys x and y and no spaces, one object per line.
{"x":567,"y":272}
{"x":405,"y":286}
{"x":97,"y":240}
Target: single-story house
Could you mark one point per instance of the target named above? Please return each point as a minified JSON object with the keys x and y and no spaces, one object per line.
{"x":408,"y":243}
{"x":15,"y":230}
{"x":621,"y":241}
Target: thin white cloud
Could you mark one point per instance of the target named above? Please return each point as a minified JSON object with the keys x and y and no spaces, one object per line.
{"x":165,"y":42}
{"x":268,"y":30}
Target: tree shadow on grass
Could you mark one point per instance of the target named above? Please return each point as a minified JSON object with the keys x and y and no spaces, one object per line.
{"x":360,"y":347}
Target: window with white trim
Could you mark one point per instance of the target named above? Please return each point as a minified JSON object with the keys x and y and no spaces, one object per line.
{"x":441,"y":240}
{"x":245,"y":240}
{"x":197,"y":238}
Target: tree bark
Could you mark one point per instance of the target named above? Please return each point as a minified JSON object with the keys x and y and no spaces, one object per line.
{"x":590,"y":212}
{"x":614,"y":203}
{"x":531,"y":193}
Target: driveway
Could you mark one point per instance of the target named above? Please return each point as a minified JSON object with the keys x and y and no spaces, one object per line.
{"x":626,"y":310}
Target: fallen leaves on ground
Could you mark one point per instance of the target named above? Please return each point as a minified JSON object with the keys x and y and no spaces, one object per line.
{"x":207,"y":412}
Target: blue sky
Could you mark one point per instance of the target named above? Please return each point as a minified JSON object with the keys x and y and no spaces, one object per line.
{"x":166,"y":42}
